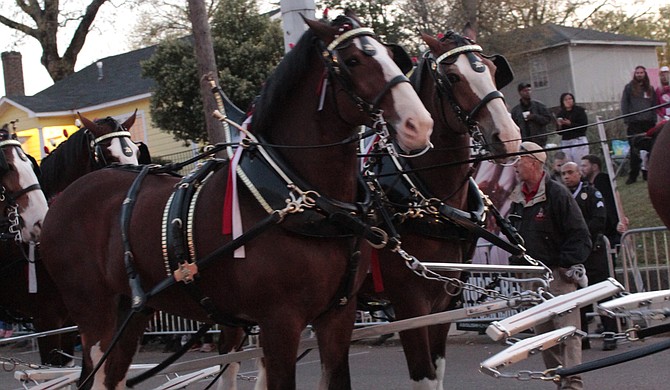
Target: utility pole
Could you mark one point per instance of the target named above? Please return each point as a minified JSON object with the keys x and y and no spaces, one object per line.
{"x":292,"y":22}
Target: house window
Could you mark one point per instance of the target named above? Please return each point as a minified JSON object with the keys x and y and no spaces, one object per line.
{"x":538,"y":72}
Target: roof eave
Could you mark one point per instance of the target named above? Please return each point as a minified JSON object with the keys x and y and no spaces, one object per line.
{"x":591,"y":42}
{"x":6,"y":100}
{"x":96,"y":107}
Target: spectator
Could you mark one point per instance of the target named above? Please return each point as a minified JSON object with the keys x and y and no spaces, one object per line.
{"x":574,"y":142}
{"x":559,"y":160}
{"x":531,"y":116}
{"x":638,"y":95}
{"x":549,"y":220}
{"x":663,"y":93}
{"x":592,"y":206}
{"x":590,"y":168}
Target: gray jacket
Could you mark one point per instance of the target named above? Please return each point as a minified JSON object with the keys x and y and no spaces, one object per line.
{"x":631,"y":103}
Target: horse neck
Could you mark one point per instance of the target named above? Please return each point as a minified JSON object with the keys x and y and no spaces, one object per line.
{"x":66,"y":166}
{"x":448,"y":181}
{"x":332,"y":171}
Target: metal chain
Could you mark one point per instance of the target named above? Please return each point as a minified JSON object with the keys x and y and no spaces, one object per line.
{"x":527,"y":375}
{"x":247,"y":378}
{"x":421,"y":270}
{"x":10,"y":364}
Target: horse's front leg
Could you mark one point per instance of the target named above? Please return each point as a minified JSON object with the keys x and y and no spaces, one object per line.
{"x":279,"y":338}
{"x":416,"y":342}
{"x":438,"y":346}
{"x":333,"y":333}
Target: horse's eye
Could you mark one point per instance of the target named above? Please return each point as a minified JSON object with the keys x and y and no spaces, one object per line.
{"x":453,"y":78}
{"x":351,"y":62}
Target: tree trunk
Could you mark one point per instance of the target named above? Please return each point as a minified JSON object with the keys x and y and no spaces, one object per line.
{"x":204,"y":54}
{"x":470,"y":8}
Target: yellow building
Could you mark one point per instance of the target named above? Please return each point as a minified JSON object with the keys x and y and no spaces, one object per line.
{"x":113,"y":86}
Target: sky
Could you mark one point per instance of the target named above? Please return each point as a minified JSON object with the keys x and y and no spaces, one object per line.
{"x":106,"y":39}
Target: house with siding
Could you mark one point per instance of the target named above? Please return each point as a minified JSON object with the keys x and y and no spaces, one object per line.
{"x":112,"y":86}
{"x":593,"y":65}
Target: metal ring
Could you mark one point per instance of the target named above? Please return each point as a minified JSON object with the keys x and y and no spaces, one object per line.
{"x":380,"y":233}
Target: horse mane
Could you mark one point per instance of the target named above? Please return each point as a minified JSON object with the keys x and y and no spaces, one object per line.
{"x":68,"y":154}
{"x":281,"y":83}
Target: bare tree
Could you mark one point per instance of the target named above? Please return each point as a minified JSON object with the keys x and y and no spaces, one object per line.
{"x":160,"y":20}
{"x":204,"y":54}
{"x":47,"y":19}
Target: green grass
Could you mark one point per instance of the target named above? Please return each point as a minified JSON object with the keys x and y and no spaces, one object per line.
{"x":636,"y":204}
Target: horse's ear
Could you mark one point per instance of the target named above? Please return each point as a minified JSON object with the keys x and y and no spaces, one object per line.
{"x":325,"y":32}
{"x":470,"y":32}
{"x":130,"y":121}
{"x":433,"y":43}
{"x":351,"y":14}
{"x":88,"y":123}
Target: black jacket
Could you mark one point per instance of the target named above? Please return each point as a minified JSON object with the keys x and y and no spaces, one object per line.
{"x":552,"y":225}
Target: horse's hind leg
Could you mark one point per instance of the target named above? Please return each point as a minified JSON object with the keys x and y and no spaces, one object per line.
{"x":97,"y":333}
{"x":415,"y":345}
{"x":229,"y":341}
{"x":333,"y":332}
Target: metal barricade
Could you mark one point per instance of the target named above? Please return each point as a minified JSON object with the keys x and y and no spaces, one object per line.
{"x":643,"y":264}
{"x":484,"y":255}
{"x":643,"y":260}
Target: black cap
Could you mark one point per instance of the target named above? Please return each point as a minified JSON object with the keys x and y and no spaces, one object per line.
{"x":523,"y":86}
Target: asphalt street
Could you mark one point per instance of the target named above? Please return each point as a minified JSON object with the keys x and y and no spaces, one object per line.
{"x":382,"y":367}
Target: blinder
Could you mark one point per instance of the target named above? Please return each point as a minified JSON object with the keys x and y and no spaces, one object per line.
{"x":504,"y":74}
{"x":348,"y":30}
{"x":4,"y":166}
{"x":401,"y":58}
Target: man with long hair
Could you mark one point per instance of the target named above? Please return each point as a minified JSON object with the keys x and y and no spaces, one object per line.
{"x":638,"y":95}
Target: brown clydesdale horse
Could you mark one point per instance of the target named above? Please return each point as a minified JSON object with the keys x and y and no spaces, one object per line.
{"x":459,"y":87}
{"x":23,"y":208}
{"x":302,"y":267}
{"x":35,"y":299}
{"x":659,"y":175}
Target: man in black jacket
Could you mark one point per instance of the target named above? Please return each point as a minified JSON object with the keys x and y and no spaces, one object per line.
{"x":554,"y":230}
{"x":592,"y":204}
{"x":531,"y":116}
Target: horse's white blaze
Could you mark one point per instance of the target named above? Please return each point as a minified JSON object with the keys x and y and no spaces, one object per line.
{"x":482,"y":84}
{"x":414,"y":123}
{"x":117,"y":151}
{"x":36,"y":208}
